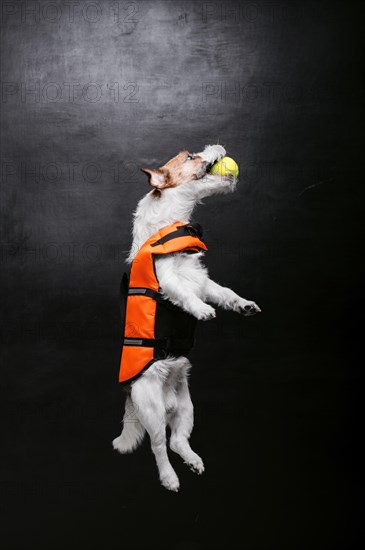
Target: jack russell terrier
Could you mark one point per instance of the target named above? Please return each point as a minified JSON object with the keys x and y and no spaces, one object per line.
{"x":163,"y":296}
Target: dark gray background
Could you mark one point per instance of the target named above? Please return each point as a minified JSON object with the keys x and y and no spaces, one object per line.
{"x":89,"y":94}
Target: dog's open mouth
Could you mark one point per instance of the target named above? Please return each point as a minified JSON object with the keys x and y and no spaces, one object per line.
{"x":205,"y":170}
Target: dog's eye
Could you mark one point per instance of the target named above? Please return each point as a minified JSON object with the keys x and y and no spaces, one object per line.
{"x":190,"y":157}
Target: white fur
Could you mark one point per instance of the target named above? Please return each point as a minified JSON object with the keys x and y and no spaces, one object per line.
{"x":161,"y":396}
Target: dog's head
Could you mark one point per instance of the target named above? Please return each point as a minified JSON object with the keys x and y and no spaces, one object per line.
{"x":185,"y":167}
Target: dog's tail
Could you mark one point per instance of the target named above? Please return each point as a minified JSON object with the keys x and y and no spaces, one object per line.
{"x":133,"y":431}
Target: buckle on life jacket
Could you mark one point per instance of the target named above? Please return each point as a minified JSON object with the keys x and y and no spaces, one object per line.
{"x":195,"y":230}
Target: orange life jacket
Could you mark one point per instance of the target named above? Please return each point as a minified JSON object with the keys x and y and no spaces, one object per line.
{"x":153,"y":327}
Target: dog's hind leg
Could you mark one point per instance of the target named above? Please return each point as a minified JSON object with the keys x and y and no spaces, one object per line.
{"x":181,"y":422}
{"x":147,"y":397}
{"x":133,"y":431}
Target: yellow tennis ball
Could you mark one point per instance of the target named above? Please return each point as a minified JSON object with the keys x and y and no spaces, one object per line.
{"x":226,"y":164}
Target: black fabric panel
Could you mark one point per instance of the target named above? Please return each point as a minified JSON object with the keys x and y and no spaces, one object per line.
{"x":174,"y":324}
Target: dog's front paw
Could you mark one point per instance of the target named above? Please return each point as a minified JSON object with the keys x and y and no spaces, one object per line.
{"x":196,"y":465}
{"x":212,"y":153}
{"x":206,"y":313}
{"x":247,"y":307}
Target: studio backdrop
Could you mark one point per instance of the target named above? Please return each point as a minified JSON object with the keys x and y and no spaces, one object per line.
{"x":92,"y":91}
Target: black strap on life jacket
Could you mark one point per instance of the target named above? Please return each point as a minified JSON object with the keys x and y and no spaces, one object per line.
{"x":162,"y":343}
{"x":151,"y":294}
{"x":192,"y":230}
{"x":124,"y":291}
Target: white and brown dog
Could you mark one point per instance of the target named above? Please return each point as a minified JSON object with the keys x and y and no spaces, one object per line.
{"x":161,"y":397}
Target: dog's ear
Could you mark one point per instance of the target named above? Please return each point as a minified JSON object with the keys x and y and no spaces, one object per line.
{"x":156,"y":178}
